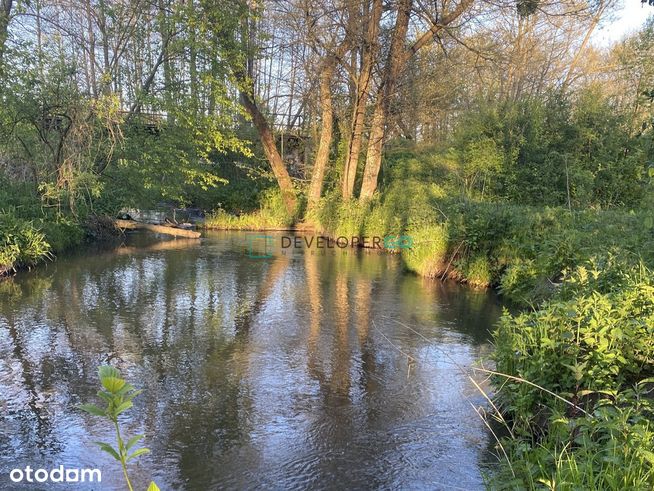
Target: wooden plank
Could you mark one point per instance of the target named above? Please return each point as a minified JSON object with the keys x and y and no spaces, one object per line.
{"x":159,"y":229}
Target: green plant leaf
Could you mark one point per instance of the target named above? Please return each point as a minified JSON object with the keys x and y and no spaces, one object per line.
{"x":125,"y":388}
{"x":138,"y":452}
{"x":123,"y":407}
{"x":109,"y":449}
{"x":153,"y":487}
{"x":93,"y":409}
{"x":107,"y":371}
{"x":111,"y":379}
{"x":647,"y":455}
{"x":113,"y":384}
{"x":133,"y":441}
{"x":105,"y":395}
{"x":132,"y":395}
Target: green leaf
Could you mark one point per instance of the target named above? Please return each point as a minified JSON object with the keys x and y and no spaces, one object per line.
{"x":153,"y":487}
{"x":126,"y":388}
{"x":107,"y":371}
{"x":138,"y":452}
{"x":110,"y":378}
{"x":113,"y":384}
{"x":131,"y":396}
{"x":109,"y":449}
{"x":105,"y":395}
{"x":133,"y":441}
{"x":93,"y":409}
{"x":647,"y":455}
{"x":123,"y":407}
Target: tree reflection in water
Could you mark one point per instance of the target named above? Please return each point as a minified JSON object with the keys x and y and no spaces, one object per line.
{"x":257,"y":372}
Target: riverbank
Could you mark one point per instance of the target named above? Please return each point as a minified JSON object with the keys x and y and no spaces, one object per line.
{"x":574,"y":373}
{"x":24,"y":243}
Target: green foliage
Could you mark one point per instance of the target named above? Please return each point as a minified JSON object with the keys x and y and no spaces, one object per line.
{"x":172,"y":162}
{"x":30,"y":233}
{"x":118,"y":396}
{"x":608,"y":450}
{"x":593,"y":345}
{"x":555,"y":151}
{"x":21,"y":243}
{"x":429,"y":254}
{"x":272,"y":214}
{"x":526,"y":251}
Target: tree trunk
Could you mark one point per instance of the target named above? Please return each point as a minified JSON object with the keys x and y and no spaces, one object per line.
{"x":369,"y":53}
{"x":169,"y":90}
{"x":322,"y":155}
{"x":271,"y":152}
{"x":91,"y":40}
{"x":5,"y":16}
{"x":193,"y":63}
{"x":394,"y":65}
{"x":589,"y":32}
{"x":397,"y":58}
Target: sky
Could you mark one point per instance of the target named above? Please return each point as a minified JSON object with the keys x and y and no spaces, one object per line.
{"x":627,"y":19}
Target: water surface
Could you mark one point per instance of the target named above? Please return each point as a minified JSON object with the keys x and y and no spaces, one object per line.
{"x":299,"y":371}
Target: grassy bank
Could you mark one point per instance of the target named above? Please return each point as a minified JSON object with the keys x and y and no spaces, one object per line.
{"x":31,"y":233}
{"x":585,"y":343}
{"x":271,"y":215}
{"x":592,"y":345}
{"x":25,"y":243}
{"x":524,"y":251}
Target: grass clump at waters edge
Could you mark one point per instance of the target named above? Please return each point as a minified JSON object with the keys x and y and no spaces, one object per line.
{"x":272,"y":214}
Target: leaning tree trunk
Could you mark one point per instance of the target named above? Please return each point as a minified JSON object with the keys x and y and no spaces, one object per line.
{"x":369,"y":53}
{"x":396,"y":59}
{"x":271,"y":152}
{"x":245,"y":77}
{"x":327,"y":110}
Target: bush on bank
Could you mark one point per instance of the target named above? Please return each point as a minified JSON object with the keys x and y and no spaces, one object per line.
{"x":522,"y":250}
{"x":593,"y":345}
{"x":29,"y":233}
{"x":271,"y":215}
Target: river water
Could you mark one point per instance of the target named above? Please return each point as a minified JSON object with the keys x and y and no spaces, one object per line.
{"x":296,"y":371}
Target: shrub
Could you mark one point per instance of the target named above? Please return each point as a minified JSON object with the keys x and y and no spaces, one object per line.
{"x":21,"y":243}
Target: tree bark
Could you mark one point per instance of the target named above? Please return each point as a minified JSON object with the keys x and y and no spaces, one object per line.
{"x":91,"y":51}
{"x":5,"y":16}
{"x":271,"y":152}
{"x":394,"y":65}
{"x":369,"y":52}
{"x":245,"y":77}
{"x":397,"y":59}
{"x":327,"y":110}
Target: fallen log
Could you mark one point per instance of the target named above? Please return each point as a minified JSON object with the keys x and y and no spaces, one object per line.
{"x":159,"y":229}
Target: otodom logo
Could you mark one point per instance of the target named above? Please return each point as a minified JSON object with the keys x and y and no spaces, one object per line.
{"x":56,"y":475}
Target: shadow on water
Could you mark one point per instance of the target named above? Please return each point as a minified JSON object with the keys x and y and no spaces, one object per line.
{"x":287,"y":372}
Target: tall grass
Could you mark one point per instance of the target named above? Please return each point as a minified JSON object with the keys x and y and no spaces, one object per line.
{"x":21,"y":243}
{"x":272,"y":214}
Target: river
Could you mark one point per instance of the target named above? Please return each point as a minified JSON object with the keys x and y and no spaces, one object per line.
{"x":296,"y":371}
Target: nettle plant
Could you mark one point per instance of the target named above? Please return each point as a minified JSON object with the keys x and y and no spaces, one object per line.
{"x":118,"y":396}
